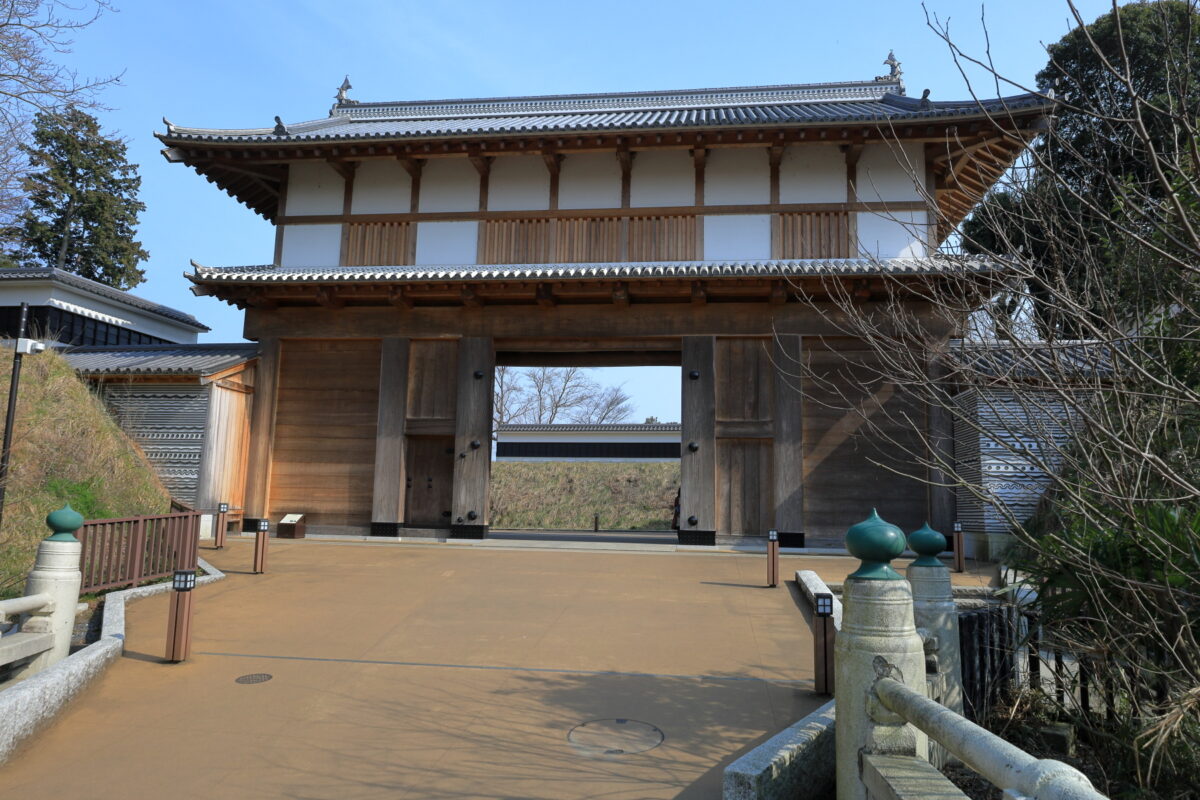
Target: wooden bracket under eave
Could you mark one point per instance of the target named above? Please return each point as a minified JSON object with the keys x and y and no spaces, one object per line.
{"x":470,"y":298}
{"x":399,"y":299}
{"x":620,"y":295}
{"x":545,"y":298}
{"x":482,"y":164}
{"x":553,"y":162}
{"x":258,"y":299}
{"x":329,"y":298}
{"x":412,"y":166}
{"x":343,"y":167}
{"x":699,"y":296}
{"x":778,"y":294}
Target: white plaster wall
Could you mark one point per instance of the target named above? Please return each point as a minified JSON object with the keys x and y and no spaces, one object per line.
{"x":314,"y":188}
{"x":736,"y":176}
{"x":899,"y":234}
{"x":592,"y":180}
{"x":449,"y":184}
{"x":447,"y":242}
{"x":662,"y":178}
{"x":812,"y":173}
{"x":311,"y":245}
{"x":519,"y":183}
{"x":46,"y":293}
{"x":381,"y":187}
{"x":886,"y":171}
{"x":738,"y":237}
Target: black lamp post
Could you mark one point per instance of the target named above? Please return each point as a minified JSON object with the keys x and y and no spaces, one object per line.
{"x":824,"y":640}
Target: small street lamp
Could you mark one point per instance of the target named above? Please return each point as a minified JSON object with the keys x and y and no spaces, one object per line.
{"x":179,"y":621}
{"x":824,"y":639}
{"x":772,"y":558}
{"x":261,"y":537}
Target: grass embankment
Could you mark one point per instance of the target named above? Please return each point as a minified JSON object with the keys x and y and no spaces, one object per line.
{"x":566,"y":494}
{"x":66,"y":449}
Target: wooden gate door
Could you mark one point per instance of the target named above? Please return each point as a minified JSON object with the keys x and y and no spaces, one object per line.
{"x":429,"y":481}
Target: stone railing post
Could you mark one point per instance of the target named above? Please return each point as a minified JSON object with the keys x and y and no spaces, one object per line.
{"x":936,"y":614}
{"x":55,"y":573}
{"x":877,"y":628}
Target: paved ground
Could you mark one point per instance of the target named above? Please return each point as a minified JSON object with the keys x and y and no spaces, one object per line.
{"x":441,"y":671}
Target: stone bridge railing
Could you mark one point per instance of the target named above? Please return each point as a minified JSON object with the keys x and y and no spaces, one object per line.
{"x":898,"y":644}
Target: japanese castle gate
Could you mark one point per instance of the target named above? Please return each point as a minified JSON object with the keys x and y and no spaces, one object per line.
{"x":420,"y":244}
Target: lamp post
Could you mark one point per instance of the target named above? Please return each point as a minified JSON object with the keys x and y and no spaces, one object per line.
{"x":772,"y":558}
{"x":824,"y":639}
{"x":219,"y":533}
{"x":260,"y":546}
{"x":179,"y":620}
{"x":960,"y":555}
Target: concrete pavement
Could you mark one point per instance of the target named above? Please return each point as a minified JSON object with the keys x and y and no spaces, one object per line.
{"x":441,"y":671}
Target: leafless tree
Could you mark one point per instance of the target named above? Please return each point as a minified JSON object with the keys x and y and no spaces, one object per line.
{"x":34,"y":35}
{"x":1062,"y":334}
{"x":549,"y":395}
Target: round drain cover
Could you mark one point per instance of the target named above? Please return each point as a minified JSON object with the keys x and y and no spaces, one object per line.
{"x":614,"y":737}
{"x":254,"y":677}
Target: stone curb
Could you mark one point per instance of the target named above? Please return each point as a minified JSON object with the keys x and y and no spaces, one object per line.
{"x":34,"y":702}
{"x":796,"y":763}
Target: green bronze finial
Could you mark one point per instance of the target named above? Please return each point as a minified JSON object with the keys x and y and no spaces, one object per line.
{"x":64,"y":523}
{"x":926,"y":543}
{"x":875,"y":542}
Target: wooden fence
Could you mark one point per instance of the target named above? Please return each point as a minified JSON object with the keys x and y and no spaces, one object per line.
{"x":989,"y":653}
{"x":126,"y":552}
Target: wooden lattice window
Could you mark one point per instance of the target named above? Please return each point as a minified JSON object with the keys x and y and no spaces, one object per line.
{"x":517,"y":241}
{"x":379,"y":244}
{"x":818,"y":234}
{"x":662,"y":239}
{"x":589,"y":240}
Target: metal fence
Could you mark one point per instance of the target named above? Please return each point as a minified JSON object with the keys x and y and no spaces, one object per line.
{"x":123,"y":552}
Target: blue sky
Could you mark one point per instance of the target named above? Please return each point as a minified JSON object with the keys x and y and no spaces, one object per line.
{"x":238,"y":63}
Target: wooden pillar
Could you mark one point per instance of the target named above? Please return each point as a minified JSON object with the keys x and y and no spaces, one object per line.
{"x":942,"y":505}
{"x":788,"y":451}
{"x":262,"y":433}
{"x":387,"y":501}
{"x":473,"y":438}
{"x":697,"y":501}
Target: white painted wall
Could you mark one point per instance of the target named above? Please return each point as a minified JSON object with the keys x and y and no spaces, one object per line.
{"x":590,"y":180}
{"x":662,"y":178}
{"x":887,"y":171}
{"x":737,"y":176}
{"x":519,"y":183}
{"x":449,"y":184}
{"x":899,"y":234}
{"x":381,"y":187}
{"x":45,"y":292}
{"x":314,"y":188}
{"x":311,"y":245}
{"x":812,"y":173}
{"x":739,"y":237}
{"x":447,"y":242}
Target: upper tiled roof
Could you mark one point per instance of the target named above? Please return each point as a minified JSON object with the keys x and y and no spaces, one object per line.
{"x":623,"y":270}
{"x":100,"y":290}
{"x":160,"y":359}
{"x":794,"y":105}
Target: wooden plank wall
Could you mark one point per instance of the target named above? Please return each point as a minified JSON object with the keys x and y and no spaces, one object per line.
{"x":662,"y":238}
{"x":846,"y":463}
{"x":517,"y":241}
{"x":745,"y":485}
{"x":473,"y":431}
{"x":589,"y":240}
{"x":223,"y":466}
{"x":388,"y":496}
{"x":325,"y":421}
{"x":429,"y":431}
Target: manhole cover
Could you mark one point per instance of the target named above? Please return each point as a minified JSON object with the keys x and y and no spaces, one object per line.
{"x":254,"y":677}
{"x":614,"y":737}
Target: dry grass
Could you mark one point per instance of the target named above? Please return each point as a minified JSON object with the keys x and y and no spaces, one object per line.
{"x":66,"y":448}
{"x":565,"y":494}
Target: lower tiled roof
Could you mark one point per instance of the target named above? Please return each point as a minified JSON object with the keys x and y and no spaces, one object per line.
{"x":164,"y":359}
{"x":781,"y":268}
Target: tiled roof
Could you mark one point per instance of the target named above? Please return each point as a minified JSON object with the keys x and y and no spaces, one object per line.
{"x":100,"y":290}
{"x":622,"y":270}
{"x":795,"y":105}
{"x":1032,"y":360}
{"x":160,"y":359}
{"x":619,"y":427}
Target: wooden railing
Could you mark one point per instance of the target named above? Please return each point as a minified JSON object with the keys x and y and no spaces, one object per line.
{"x":124,"y":552}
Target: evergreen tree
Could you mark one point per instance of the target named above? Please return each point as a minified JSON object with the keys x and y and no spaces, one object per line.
{"x":83,"y":208}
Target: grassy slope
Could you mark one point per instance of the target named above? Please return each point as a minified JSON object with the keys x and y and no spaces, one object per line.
{"x":565,"y":494}
{"x":66,"y":448}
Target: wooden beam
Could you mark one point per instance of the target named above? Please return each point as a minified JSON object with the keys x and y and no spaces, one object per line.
{"x":788,"y":449}
{"x":398,"y":298}
{"x":545,"y":298}
{"x":473,"y":433}
{"x":469,"y":297}
{"x":329,"y":298}
{"x":697,"y":502}
{"x":620,"y":294}
{"x":699,"y":296}
{"x":387,"y":497}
